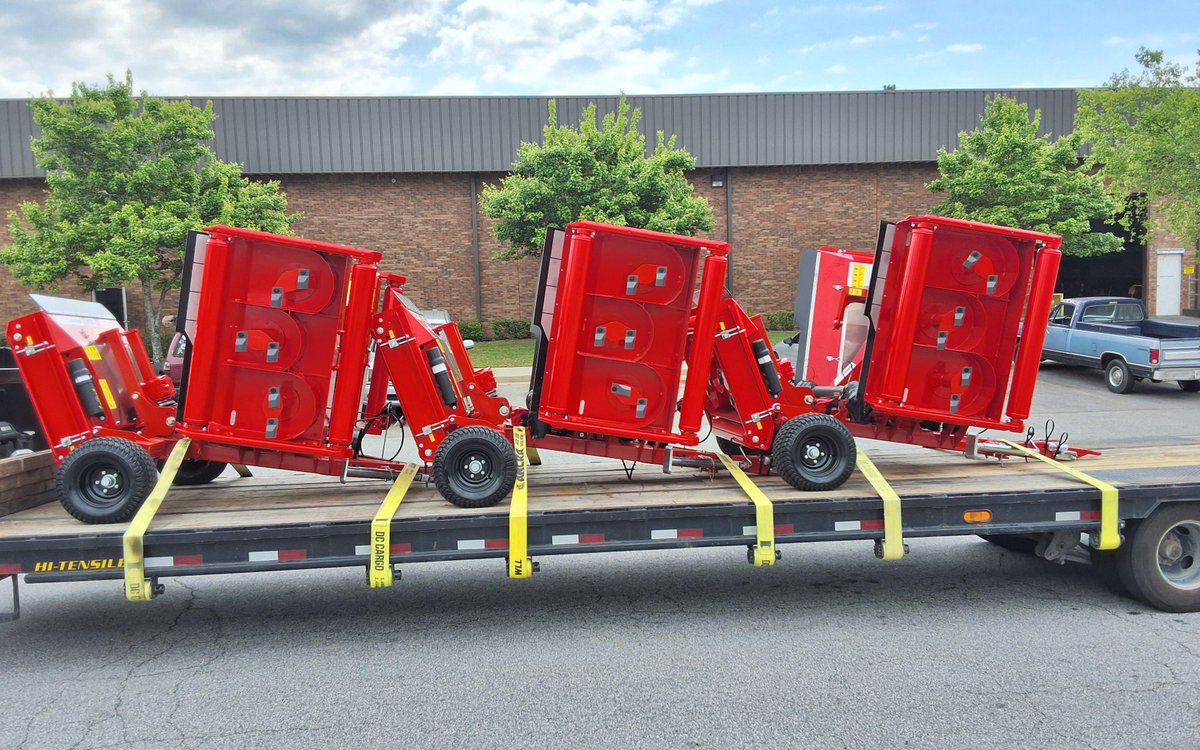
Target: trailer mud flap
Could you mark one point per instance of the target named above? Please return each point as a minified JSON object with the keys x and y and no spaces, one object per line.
{"x":765,"y":553}
{"x":379,"y":573}
{"x":893,"y":533}
{"x":519,"y":563}
{"x":137,"y":587}
{"x":1110,"y":537}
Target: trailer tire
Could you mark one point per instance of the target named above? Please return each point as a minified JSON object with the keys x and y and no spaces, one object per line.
{"x":196,"y":471}
{"x":105,"y":480}
{"x":1107,"y":567}
{"x":475,"y":467}
{"x":814,"y":452}
{"x":1191,"y":386}
{"x":1117,"y":376}
{"x":1159,"y":562}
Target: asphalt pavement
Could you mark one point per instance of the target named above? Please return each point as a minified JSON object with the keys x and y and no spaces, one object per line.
{"x":961,"y":644}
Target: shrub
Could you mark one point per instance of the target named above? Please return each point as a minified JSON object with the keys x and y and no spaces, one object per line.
{"x":511,"y":329}
{"x":471,"y":329}
{"x":780,"y":320}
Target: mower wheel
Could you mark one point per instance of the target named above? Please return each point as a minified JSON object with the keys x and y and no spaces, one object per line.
{"x":1191,"y":386}
{"x":814,"y":452}
{"x":105,"y":480}
{"x":1117,"y":376}
{"x":195,"y":471}
{"x":475,"y":467}
{"x":730,"y":448}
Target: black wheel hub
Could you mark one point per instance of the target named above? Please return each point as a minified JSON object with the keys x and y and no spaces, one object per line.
{"x":475,"y":468}
{"x":103,"y":484}
{"x":816,"y":454}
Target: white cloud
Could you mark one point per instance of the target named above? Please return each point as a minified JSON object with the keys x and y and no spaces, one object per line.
{"x":552,"y":46}
{"x":226,"y":47}
{"x":964,"y":47}
{"x":836,"y":69}
{"x":860,"y":40}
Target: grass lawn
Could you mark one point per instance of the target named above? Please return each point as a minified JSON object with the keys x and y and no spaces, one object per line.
{"x":519,"y":352}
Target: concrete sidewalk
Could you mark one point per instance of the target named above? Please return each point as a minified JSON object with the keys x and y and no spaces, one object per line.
{"x":512,"y":375}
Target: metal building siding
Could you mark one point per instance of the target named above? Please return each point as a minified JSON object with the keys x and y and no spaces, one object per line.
{"x":304,"y":135}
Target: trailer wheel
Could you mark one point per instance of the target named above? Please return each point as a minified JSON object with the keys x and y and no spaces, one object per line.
{"x":1106,"y":566}
{"x":195,"y":471}
{"x":1117,"y":376}
{"x":1159,"y":562}
{"x":105,"y":480}
{"x":730,"y":448}
{"x":475,"y":467}
{"x":1191,"y":386}
{"x":814,"y":452}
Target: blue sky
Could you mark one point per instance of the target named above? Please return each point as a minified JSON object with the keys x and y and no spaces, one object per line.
{"x":486,"y":47}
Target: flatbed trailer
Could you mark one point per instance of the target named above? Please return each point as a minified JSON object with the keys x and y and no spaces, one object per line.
{"x":287,"y":522}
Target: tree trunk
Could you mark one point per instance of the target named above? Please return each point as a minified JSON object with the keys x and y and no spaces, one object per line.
{"x":151,"y":333}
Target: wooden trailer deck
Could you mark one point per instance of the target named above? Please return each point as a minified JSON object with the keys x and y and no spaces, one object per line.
{"x":915,"y":474}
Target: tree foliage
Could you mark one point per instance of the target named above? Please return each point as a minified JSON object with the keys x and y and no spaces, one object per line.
{"x":1005,"y":173}
{"x":1144,"y":130}
{"x":597,"y":173}
{"x":126,"y":178}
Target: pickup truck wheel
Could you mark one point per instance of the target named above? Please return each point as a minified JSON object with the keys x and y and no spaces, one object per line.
{"x":1159,"y":563}
{"x":475,"y":467}
{"x":814,"y":452}
{"x":1191,"y":386}
{"x":105,"y":480}
{"x":1117,"y":376}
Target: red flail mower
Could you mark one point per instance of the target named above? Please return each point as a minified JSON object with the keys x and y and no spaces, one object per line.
{"x":292,"y":344}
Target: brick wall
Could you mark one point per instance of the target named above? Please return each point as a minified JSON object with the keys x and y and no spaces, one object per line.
{"x":779,"y":211}
{"x":422,"y":225}
{"x":1160,"y":238}
{"x":26,"y":481}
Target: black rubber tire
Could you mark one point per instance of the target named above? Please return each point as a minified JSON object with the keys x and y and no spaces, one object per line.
{"x":195,"y":471}
{"x":1106,"y":567}
{"x":124,"y":465}
{"x":730,"y":448}
{"x":1140,"y":566}
{"x":475,"y":467}
{"x":1117,"y":376}
{"x":1022,"y":545}
{"x":1191,"y":386}
{"x":832,"y":449}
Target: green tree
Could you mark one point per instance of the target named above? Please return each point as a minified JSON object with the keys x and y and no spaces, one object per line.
{"x":126,"y":178}
{"x":1004,"y":173}
{"x":1144,"y":130}
{"x":596,"y":173}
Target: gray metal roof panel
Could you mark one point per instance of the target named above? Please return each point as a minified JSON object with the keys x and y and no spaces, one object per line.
{"x":314,"y":135}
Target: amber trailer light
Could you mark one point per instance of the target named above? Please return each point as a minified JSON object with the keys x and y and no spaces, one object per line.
{"x":977,"y":516}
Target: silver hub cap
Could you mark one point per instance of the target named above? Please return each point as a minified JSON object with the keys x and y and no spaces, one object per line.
{"x":1179,"y":555}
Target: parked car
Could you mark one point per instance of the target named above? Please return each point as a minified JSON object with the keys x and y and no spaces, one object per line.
{"x":1114,"y":334}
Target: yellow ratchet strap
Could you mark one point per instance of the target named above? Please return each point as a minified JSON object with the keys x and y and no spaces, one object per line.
{"x":379,"y":574}
{"x":1110,"y":538}
{"x":519,"y":563}
{"x":893,"y":533}
{"x":137,"y":587}
{"x":764,"y":514}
